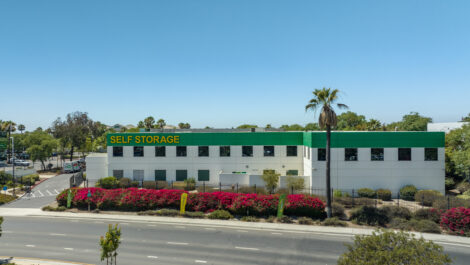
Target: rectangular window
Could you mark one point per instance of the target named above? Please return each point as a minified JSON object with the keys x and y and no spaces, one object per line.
{"x":377,"y":154}
{"x":118,"y":173}
{"x":138,"y":175}
{"x":138,"y":151}
{"x":430,"y":154}
{"x":160,"y":151}
{"x":224,"y":151}
{"x":181,"y":174}
{"x":203,"y":175}
{"x":404,"y":154}
{"x":291,"y":150}
{"x":117,"y":151}
{"x":321,"y":154}
{"x":203,"y":150}
{"x":269,"y":150}
{"x":350,"y":154}
{"x":181,"y":151}
{"x":247,"y":151}
{"x":292,"y":172}
{"x":160,"y":174}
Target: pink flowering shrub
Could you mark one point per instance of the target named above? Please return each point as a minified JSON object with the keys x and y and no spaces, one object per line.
{"x":133,"y":199}
{"x":457,"y":221}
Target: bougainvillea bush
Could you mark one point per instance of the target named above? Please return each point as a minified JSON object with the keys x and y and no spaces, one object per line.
{"x":457,"y":221}
{"x":133,"y":199}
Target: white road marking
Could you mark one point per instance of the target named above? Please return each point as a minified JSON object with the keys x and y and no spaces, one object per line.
{"x":71,"y":249}
{"x":30,"y":246}
{"x":211,"y":229}
{"x":255,"y":249}
{"x":56,"y":191}
{"x":177,"y":243}
{"x":42,"y":195}
{"x":152,"y":257}
{"x":56,"y":234}
{"x":453,"y":244}
{"x":50,"y":194}
{"x":7,"y":232}
{"x":200,"y":261}
{"x":242,"y":231}
{"x":34,"y":195}
{"x":276,"y":233}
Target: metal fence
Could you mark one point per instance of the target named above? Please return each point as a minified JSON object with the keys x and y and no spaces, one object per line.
{"x":76,"y":179}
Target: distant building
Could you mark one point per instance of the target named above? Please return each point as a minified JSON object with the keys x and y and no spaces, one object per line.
{"x":445,"y":126}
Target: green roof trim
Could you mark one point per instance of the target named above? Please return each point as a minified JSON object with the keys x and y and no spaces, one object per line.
{"x":311,"y":139}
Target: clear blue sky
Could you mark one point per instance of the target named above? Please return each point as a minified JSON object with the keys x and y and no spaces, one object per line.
{"x":224,"y":63}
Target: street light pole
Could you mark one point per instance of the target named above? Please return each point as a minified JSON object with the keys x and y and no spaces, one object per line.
{"x":13,"y":155}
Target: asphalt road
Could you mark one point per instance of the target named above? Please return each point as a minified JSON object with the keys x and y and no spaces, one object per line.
{"x":42,"y":194}
{"x":152,"y":243}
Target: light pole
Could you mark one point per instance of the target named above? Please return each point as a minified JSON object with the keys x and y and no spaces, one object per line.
{"x":13,"y":156}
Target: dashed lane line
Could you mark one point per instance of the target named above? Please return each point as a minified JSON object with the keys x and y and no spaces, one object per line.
{"x":244,"y":248}
{"x":57,"y":234}
{"x":70,"y":249}
{"x":30,"y":246}
{"x":177,"y":243}
{"x":152,"y":257}
{"x":200,"y":261}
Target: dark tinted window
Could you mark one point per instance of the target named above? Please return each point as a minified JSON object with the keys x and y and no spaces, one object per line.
{"x":160,"y":174}
{"x":247,"y":151}
{"x":377,"y":154}
{"x":138,"y":151}
{"x":404,"y":154}
{"x":430,"y":154}
{"x":292,"y":172}
{"x":181,"y":175}
{"x":160,"y":151}
{"x":117,"y":151}
{"x":225,"y":151}
{"x":118,"y":174}
{"x":203,"y":150}
{"x":203,"y":175}
{"x":181,"y":151}
{"x":291,"y":150}
{"x":350,"y":154}
{"x":269,"y":150}
{"x":321,"y":154}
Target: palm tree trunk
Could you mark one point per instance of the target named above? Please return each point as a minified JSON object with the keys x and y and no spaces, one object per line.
{"x":328,"y":177}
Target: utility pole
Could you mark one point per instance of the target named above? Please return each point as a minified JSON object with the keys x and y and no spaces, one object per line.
{"x":13,"y":155}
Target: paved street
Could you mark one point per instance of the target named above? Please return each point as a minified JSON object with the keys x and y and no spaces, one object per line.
{"x":157,"y":243}
{"x":42,"y":194}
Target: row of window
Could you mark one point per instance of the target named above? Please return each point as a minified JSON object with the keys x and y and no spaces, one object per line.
{"x":203,"y":151}
{"x":377,"y":154}
{"x":181,"y":174}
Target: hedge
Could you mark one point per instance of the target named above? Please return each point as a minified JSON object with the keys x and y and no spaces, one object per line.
{"x":133,"y":199}
{"x":457,"y":221}
{"x":366,"y":193}
{"x":408,"y":192}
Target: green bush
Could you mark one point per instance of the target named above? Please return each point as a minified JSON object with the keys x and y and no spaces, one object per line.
{"x":135,"y":184}
{"x":428,"y":214}
{"x":295,"y":183}
{"x":408,"y":192}
{"x":285,"y":219}
{"x":427,"y":197}
{"x":54,"y":209}
{"x":397,"y":212}
{"x":464,"y":197}
{"x":425,"y":226}
{"x":151,"y":185}
{"x":161,"y":184}
{"x":108,"y":183}
{"x":370,"y":215}
{"x":29,"y":179}
{"x":463,"y":186}
{"x":124,"y":182}
{"x":450,"y":183}
{"x":6,"y":198}
{"x":337,"y":194}
{"x":194,"y":214}
{"x":399,"y":223}
{"x":271,"y":219}
{"x":384,"y":194}
{"x":305,"y":221}
{"x":366,"y":193}
{"x":388,"y":247}
{"x":167,"y":212}
{"x":220,"y":214}
{"x":334,"y":221}
{"x":347,"y":202}
{"x":337,"y":210}
{"x":454,"y":202}
{"x":249,"y":219}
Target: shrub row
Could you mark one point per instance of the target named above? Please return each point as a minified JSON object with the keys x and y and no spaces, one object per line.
{"x":133,"y":199}
{"x":383,"y":194}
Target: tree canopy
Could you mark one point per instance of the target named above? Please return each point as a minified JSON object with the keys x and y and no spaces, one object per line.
{"x":40,"y":146}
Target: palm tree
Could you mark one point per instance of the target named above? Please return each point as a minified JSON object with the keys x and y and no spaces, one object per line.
{"x":21,"y":128}
{"x":9,"y":127}
{"x":148,"y":122}
{"x":161,"y":123}
{"x":325,"y":98}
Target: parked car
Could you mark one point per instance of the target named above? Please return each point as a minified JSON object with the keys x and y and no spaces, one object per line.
{"x":19,"y":162}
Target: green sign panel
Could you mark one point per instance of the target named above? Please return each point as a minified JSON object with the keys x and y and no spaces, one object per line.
{"x":69,"y":198}
{"x":280,"y":206}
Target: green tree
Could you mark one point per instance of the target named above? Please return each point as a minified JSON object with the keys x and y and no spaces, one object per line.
{"x":161,"y":124}
{"x":183,"y":125}
{"x":140,"y":124}
{"x":271,"y":179}
{"x":40,"y":146}
{"x":268,"y":126}
{"x":412,"y":122}
{"x":110,"y":243}
{"x":313,"y":126}
{"x":8,"y":127}
{"x":247,"y":126}
{"x":457,"y":153}
{"x":350,"y":121}
{"x":466,"y":118}
{"x":388,"y":247}
{"x":374,"y":125}
{"x":149,"y":122}
{"x":293,"y":127}
{"x":21,"y":128}
{"x":295,"y":183}
{"x":325,"y":99}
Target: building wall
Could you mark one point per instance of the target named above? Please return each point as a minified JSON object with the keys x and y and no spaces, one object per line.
{"x":96,"y":166}
{"x":214,"y":163}
{"x":388,"y":174}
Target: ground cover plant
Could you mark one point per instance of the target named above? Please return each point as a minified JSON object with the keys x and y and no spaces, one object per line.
{"x":133,"y":199}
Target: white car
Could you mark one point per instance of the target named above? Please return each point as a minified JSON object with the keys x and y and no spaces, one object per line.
{"x":19,"y":162}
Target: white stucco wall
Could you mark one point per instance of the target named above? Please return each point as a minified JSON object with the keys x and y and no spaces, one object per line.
{"x":96,"y":166}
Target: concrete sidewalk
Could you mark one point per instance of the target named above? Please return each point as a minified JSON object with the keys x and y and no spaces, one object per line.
{"x":296,"y":228}
{"x":35,"y":261}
